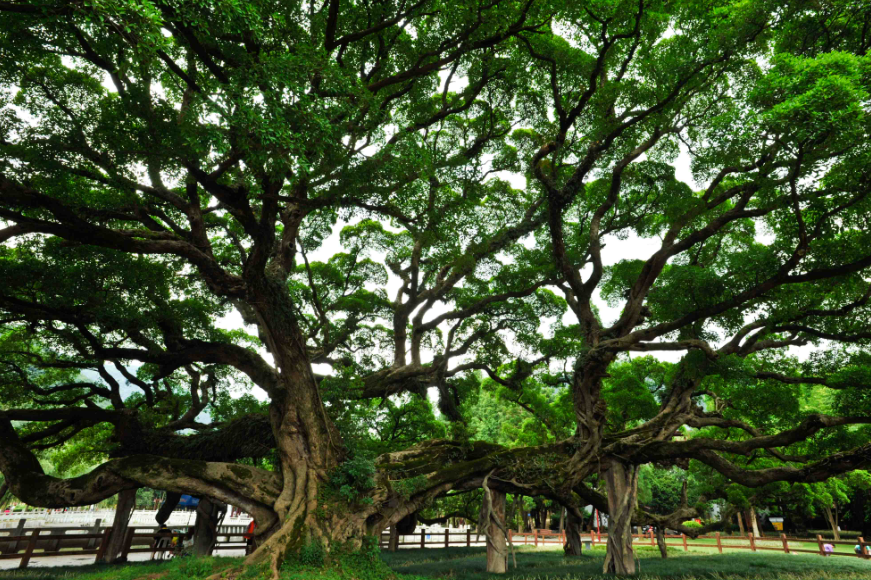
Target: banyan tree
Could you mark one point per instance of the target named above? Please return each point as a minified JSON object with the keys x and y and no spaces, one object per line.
{"x":350,"y":209}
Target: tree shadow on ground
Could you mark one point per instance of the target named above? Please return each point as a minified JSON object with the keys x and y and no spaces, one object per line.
{"x":469,"y":564}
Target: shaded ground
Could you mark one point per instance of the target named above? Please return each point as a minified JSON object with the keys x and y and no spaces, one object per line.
{"x":469,"y":563}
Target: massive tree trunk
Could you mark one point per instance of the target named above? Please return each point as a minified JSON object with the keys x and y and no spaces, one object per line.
{"x":574,"y":545}
{"x":308,"y":444}
{"x":621,"y":481}
{"x":126,"y":503}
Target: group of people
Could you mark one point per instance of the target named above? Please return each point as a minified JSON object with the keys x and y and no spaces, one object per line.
{"x":829,"y":549}
{"x":166,"y":542}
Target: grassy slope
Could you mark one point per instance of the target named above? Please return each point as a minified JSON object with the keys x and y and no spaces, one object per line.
{"x":468,"y":564}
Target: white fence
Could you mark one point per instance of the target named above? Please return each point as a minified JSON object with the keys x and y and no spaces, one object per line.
{"x":88,"y":518}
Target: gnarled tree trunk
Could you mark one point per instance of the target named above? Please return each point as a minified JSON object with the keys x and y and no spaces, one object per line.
{"x":574,"y":545}
{"x":497,"y":548}
{"x":660,"y":541}
{"x":308,"y":444}
{"x":621,"y":481}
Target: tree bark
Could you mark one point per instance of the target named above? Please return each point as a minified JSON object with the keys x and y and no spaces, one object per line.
{"x":497,"y":548}
{"x":740,"y":518}
{"x":660,"y":541}
{"x":393,"y":542}
{"x":126,"y":503}
{"x":170,"y":502}
{"x":308,"y":444}
{"x":574,"y":545}
{"x":621,"y":481}
{"x":832,"y":522}
{"x":752,"y":526}
{"x":206,"y":526}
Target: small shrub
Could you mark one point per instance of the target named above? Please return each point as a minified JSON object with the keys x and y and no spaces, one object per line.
{"x":312,"y":554}
{"x":353,"y":479}
{"x":408,"y":487}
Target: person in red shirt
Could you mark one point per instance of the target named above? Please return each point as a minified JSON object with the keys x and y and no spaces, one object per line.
{"x":249,"y":538}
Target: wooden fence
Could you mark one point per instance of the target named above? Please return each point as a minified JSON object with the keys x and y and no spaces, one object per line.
{"x":49,"y":518}
{"x":26,"y":543}
{"x":544,"y":537}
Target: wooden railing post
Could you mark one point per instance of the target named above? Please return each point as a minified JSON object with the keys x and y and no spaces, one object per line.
{"x":719,"y":543}
{"x":752,"y":541}
{"x":685,"y":548}
{"x":12,"y":546}
{"x":104,"y":543}
{"x":447,"y":535}
{"x":820,"y":544}
{"x":785,"y":543}
{"x":31,"y":546}
{"x":55,"y":546}
{"x":95,"y":530}
{"x":536,"y":537}
{"x":468,"y":537}
{"x":652,"y":539}
{"x":128,"y":542}
{"x":423,"y":538}
{"x":863,"y":550}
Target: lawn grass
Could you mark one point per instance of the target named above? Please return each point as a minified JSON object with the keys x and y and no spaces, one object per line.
{"x":541,"y":564}
{"x":175,"y":569}
{"x":773,"y":542}
{"x":469,"y":564}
